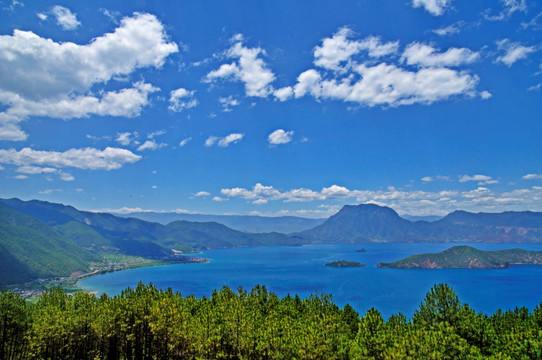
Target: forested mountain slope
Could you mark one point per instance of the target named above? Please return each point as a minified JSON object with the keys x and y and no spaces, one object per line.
{"x":29,"y":249}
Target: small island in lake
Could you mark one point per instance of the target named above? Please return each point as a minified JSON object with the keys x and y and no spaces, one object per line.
{"x":345,"y":263}
{"x":466,"y":257}
{"x":362,"y":250}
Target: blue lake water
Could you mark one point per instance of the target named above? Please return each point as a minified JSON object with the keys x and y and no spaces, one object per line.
{"x":301,"y":270}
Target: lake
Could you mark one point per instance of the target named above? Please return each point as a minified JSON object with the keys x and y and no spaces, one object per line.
{"x":301,"y":270}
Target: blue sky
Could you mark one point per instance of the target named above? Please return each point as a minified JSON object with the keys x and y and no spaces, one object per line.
{"x":272,"y":107}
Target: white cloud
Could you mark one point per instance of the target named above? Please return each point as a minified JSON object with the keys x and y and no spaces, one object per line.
{"x":42,"y":16}
{"x":228,"y":102}
{"x":49,"y":191}
{"x":248,"y":68}
{"x":434,"y":7}
{"x":224,"y":141}
{"x":20,"y":177}
{"x":509,"y":8}
{"x":14,"y":3}
{"x":413,"y":202}
{"x":335,"y":52}
{"x":280,"y":136}
{"x":450,"y":29}
{"x":513,"y":51}
{"x":231,"y":138}
{"x":65,"y":18}
{"x":435,"y":178}
{"x":485,"y":95}
{"x":284,"y":93}
{"x":426,"y":55}
{"x":45,"y":78}
{"x":532,"y":177}
{"x":181,"y":99}
{"x":375,"y":82}
{"x":390,"y":85}
{"x":211,"y":140}
{"x":66,"y":176}
{"x":150,"y":145}
{"x":85,"y":158}
{"x":202,"y":193}
{"x":126,"y":138}
{"x":482,"y":179}
{"x":32,"y":170}
{"x":154,"y":134}
{"x":218,"y":198}
{"x":185,"y":141}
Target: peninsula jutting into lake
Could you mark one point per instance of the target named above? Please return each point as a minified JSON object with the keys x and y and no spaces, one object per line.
{"x":468,"y":258}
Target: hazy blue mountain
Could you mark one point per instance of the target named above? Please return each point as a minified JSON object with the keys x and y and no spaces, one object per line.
{"x":245,"y":223}
{"x":133,"y":236}
{"x":373,"y":223}
{"x":428,"y":218}
{"x":362,"y":224}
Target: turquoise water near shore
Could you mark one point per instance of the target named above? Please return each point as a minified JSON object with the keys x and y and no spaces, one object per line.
{"x":301,"y":270}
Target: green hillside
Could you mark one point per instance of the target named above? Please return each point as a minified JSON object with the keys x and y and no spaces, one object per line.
{"x":469,"y":258}
{"x":31,"y":249}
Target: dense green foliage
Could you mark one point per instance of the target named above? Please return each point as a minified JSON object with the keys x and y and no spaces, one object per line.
{"x":147,"y":323}
{"x":468,"y":257}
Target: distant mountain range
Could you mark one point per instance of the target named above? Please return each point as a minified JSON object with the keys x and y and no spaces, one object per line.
{"x":373,"y":223}
{"x":245,"y":223}
{"x":43,"y":239}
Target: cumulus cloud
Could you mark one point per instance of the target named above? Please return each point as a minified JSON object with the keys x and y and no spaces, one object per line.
{"x":434,"y":7}
{"x":84,"y":158}
{"x":513,"y":51}
{"x":224,"y":141}
{"x":248,"y":68}
{"x":280,"y":136}
{"x":390,"y":85}
{"x":284,"y":93}
{"x":370,"y":78}
{"x":426,"y":55}
{"x":65,"y":18}
{"x":335,"y":52}
{"x":413,"y":202}
{"x":182,"y":99}
{"x":46,"y":78}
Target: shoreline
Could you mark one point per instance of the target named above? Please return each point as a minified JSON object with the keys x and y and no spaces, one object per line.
{"x":33,"y":289}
